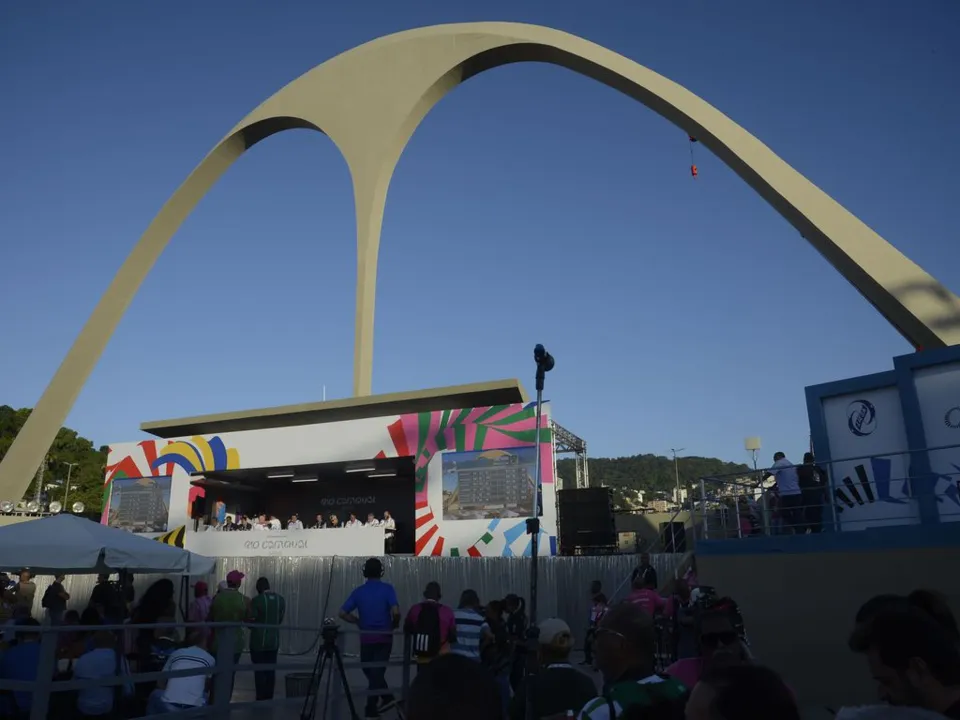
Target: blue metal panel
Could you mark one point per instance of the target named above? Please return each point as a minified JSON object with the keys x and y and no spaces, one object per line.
{"x":816,"y":394}
{"x":922,"y":478}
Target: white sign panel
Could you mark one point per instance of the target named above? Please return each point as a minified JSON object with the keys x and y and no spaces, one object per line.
{"x":867,"y":436}
{"x":938,"y":390}
{"x":351,"y":542}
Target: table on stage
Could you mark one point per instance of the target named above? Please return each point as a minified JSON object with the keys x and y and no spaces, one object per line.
{"x":355,"y":542}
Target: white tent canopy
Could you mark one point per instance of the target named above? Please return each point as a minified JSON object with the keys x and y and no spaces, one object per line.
{"x":73,"y":545}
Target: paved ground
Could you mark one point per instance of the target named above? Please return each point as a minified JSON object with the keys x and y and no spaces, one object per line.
{"x":244,"y":692}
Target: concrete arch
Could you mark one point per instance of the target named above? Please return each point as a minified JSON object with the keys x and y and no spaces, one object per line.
{"x":370,"y":100}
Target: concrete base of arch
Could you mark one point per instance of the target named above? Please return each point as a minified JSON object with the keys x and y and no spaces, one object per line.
{"x":370,"y":100}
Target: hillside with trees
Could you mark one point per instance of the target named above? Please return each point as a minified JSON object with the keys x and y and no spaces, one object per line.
{"x":86,"y":478}
{"x":653,"y":474}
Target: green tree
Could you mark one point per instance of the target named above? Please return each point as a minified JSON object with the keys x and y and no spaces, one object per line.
{"x":68,"y":447}
{"x":654,"y":474}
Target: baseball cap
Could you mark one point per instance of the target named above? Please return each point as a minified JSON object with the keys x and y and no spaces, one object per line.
{"x":554,"y":632}
{"x":235,"y":576}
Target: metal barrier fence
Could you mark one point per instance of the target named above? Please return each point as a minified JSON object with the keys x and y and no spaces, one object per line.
{"x":858,"y":492}
{"x":54,"y":692}
{"x":564,"y":586}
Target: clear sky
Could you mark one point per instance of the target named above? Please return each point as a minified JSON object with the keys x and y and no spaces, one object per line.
{"x":532,"y":205}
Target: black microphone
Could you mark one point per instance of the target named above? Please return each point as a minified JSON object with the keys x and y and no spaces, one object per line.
{"x":543,"y":359}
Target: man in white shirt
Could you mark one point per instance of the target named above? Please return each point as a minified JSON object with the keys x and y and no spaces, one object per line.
{"x":260,"y":523}
{"x":389,"y":530}
{"x":788,"y":487}
{"x":295,"y":523}
{"x":372,"y":520}
{"x":274,"y":523}
{"x":353,"y":522}
{"x":183,"y":693}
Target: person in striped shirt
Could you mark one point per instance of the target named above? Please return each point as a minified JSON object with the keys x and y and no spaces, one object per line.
{"x":625,"y":648}
{"x":471,"y":626}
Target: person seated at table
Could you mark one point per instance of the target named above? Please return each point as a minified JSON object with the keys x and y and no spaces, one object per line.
{"x":334,"y":521}
{"x":274,"y":523}
{"x":372,"y":520}
{"x":320,"y":524}
{"x":295,"y":523}
{"x":353,"y":522}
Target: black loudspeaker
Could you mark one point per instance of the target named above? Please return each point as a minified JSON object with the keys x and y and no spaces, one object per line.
{"x":586,"y":522}
{"x":673,"y":537}
{"x":198,"y":509}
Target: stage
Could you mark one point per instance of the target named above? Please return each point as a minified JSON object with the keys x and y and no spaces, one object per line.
{"x":340,"y":542}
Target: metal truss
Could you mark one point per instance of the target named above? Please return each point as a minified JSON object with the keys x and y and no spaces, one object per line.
{"x":565,"y":442}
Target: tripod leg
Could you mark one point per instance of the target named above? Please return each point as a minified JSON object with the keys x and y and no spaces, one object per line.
{"x":346,"y":685}
{"x":313,"y":692}
{"x":327,"y":690}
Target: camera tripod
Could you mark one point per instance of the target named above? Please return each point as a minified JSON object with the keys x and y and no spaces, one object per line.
{"x":329,"y":661}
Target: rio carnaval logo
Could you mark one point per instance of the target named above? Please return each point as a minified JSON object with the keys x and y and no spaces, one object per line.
{"x":861,"y":417}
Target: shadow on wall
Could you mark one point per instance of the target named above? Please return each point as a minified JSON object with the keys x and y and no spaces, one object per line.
{"x":948,"y":318}
{"x":799,"y":608}
{"x":647,"y":527}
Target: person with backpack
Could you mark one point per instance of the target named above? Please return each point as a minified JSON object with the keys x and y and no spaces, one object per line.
{"x":431,"y":626}
{"x":625,"y":649}
{"x":54,"y":600}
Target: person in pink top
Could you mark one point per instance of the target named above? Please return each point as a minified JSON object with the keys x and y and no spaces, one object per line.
{"x":432,"y":625}
{"x":646,"y":597}
{"x":717,"y":638}
{"x":199,"y":610}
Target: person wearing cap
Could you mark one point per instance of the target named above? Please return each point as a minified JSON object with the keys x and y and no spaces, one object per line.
{"x":559,"y":686}
{"x":230,"y":606}
{"x":199,"y":610}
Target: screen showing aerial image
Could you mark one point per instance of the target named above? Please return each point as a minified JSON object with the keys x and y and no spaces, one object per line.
{"x":140,"y":505}
{"x":489,"y":484}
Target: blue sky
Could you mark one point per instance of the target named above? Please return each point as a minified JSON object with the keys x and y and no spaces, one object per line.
{"x":682,"y":313}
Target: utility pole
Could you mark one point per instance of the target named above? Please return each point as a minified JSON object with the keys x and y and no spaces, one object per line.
{"x":676,"y":471}
{"x":66,"y":489}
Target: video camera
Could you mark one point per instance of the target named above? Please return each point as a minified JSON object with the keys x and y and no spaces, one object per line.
{"x":329,"y":631}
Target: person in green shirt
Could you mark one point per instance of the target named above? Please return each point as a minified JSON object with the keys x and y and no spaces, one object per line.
{"x":231,"y":606}
{"x":267,"y":608}
{"x":625,"y":648}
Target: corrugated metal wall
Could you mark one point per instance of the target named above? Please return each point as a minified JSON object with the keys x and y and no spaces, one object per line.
{"x":564,"y":584}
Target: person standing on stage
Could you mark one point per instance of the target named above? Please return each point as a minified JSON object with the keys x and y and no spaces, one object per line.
{"x":389,"y":530}
{"x":373,"y":607}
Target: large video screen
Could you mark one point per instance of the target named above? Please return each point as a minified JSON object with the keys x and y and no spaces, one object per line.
{"x":140,"y":505}
{"x":488,"y":484}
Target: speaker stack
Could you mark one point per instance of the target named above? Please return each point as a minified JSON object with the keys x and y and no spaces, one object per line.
{"x":586,"y":522}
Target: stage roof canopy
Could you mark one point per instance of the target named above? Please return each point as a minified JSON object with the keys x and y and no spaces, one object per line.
{"x":496,"y":392}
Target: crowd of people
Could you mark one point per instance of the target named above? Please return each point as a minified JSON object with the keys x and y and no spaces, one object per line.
{"x":471,"y":659}
{"x":87,"y":650}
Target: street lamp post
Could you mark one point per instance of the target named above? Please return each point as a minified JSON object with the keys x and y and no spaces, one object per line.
{"x":676,"y":472}
{"x":66,"y":489}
